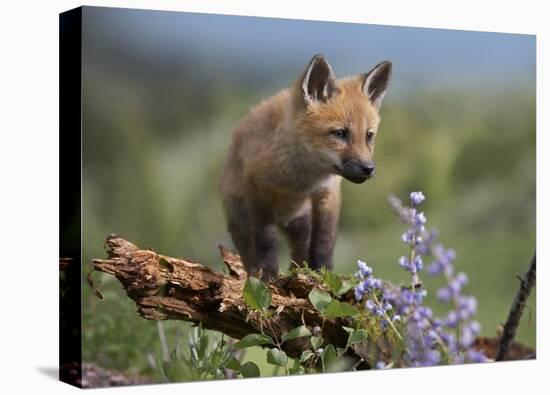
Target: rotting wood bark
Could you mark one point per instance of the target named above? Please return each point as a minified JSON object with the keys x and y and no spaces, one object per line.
{"x":164,"y":288}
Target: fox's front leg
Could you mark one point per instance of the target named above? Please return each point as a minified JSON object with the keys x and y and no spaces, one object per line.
{"x":264,"y":240}
{"x":325,"y":215}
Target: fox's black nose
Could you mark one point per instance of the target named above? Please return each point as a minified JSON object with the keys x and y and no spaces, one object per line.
{"x":357,"y":170}
{"x":368,"y":168}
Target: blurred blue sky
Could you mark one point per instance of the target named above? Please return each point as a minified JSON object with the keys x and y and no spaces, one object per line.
{"x":274,"y":51}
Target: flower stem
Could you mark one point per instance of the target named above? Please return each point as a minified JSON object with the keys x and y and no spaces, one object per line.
{"x":386,"y":317}
{"x":448,"y":279}
{"x":414,"y":277}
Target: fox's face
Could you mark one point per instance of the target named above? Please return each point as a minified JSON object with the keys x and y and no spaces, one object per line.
{"x":337,"y":120}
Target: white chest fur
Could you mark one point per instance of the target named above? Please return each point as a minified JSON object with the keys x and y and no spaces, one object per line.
{"x":330,"y":182}
{"x":302,"y":206}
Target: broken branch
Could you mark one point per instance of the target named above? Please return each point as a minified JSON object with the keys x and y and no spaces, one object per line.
{"x":164,"y":288}
{"x":527,"y":281}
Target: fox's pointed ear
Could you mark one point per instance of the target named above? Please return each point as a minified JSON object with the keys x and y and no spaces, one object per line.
{"x":318,"y":82}
{"x":376,"y":81}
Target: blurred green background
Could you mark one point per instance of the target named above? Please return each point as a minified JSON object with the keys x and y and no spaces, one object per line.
{"x":162,"y":92}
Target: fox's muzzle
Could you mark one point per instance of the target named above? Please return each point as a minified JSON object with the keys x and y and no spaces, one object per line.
{"x":356,"y":170}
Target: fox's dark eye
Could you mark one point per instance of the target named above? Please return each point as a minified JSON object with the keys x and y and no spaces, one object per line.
{"x":342,"y":134}
{"x":370,"y":136}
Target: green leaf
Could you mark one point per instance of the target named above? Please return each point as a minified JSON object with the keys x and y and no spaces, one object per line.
{"x":296,"y":368}
{"x":316,"y":342}
{"x":333,"y":281}
{"x":254,"y":339}
{"x":219,"y":358}
{"x":348,"y":329}
{"x":250,"y":369}
{"x":359,"y":336}
{"x":328,"y":357}
{"x":256,"y":294}
{"x":319,"y":299}
{"x":339,"y":309}
{"x":306,"y":355}
{"x":336,"y":284}
{"x":277,"y":357}
{"x":300,"y":331}
{"x":203,"y":344}
{"x":345,"y":287}
{"x":233,"y":364}
{"x":175,"y":369}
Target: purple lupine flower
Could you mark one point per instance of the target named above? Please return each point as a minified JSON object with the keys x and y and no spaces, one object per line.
{"x":433,"y":357}
{"x":452,"y":319}
{"x":368,"y":284}
{"x":424,"y":333}
{"x":419,"y":219}
{"x":435,"y":268}
{"x":467,"y":306}
{"x":417,"y":263}
{"x":364,"y":269}
{"x":446,"y":257}
{"x":444,"y":294}
{"x":404,"y":262}
{"x":359,"y":292}
{"x":475,"y":327}
{"x":457,"y":359}
{"x":419,"y":295}
{"x":417,"y":198}
{"x":469,"y":334}
{"x":425,"y":312}
{"x":455,"y":287}
{"x":370,"y":305}
{"x":475,"y":356}
{"x":408,"y":297}
{"x":377,"y":283}
{"x":367,"y":287}
{"x":407,"y":237}
{"x":413,"y":267}
{"x":431,"y":338}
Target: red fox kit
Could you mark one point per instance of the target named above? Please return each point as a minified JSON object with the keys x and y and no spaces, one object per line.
{"x":288,"y":157}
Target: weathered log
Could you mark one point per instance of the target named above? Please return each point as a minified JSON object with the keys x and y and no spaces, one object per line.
{"x":164,"y":288}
